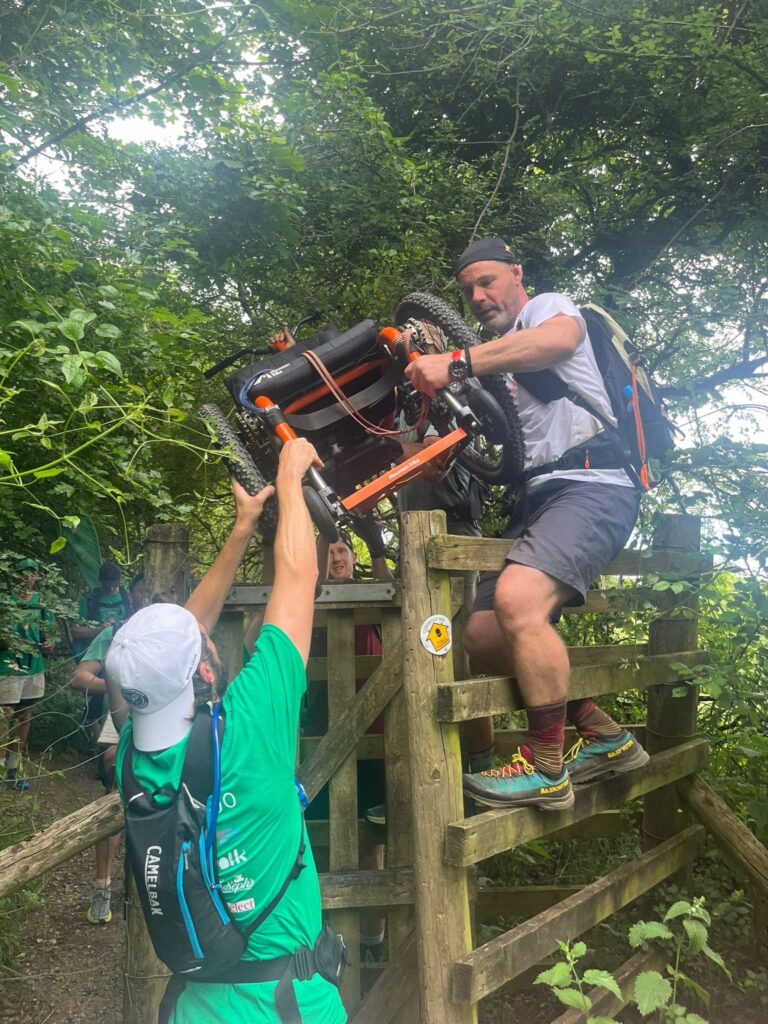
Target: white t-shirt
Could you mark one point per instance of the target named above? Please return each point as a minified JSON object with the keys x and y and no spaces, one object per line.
{"x":551,"y":428}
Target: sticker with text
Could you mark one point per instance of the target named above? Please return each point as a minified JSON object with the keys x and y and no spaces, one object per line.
{"x":436,"y":635}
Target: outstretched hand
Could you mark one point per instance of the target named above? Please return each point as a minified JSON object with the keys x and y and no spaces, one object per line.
{"x":250,"y":506}
{"x":297,"y":456}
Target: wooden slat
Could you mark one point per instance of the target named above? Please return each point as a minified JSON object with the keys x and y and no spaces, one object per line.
{"x":343,"y":844}
{"x":464,"y":553}
{"x":521,"y":900}
{"x":318,"y":830}
{"x":365,"y":666}
{"x":489,"y":967}
{"x":443,"y":930}
{"x":672,"y":715}
{"x":369,"y":748}
{"x":394,"y":991}
{"x":344,"y":733}
{"x":484,"y":835}
{"x":729,"y":831}
{"x":604,"y":1003}
{"x":496,"y":695}
{"x":24,"y":862}
{"x":391,"y":887}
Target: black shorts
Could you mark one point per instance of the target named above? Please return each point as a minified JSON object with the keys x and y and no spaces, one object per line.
{"x":574,"y":530}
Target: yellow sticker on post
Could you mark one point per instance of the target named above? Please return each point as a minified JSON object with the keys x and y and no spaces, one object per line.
{"x":436,"y":635}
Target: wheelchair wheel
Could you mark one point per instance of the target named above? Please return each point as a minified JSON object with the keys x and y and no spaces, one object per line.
{"x":498,"y":455}
{"x":241,"y":465}
{"x":321,"y":515}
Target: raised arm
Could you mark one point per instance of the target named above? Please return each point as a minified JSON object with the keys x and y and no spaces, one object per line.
{"x":209,"y":596}
{"x":291,"y":605}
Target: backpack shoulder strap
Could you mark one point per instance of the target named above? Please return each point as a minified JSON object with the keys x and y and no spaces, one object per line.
{"x":197,"y":773}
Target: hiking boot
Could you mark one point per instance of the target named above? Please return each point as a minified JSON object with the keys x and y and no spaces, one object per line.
{"x":16,"y":781}
{"x":377,"y":815}
{"x":591,"y":757}
{"x":520,"y":784}
{"x":99,"y":911}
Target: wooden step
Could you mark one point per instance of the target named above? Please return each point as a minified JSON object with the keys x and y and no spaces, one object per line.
{"x":496,"y":695}
{"x":486,"y":969}
{"x":473,"y":839}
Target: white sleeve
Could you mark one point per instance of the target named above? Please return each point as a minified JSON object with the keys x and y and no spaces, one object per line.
{"x":545,"y":306}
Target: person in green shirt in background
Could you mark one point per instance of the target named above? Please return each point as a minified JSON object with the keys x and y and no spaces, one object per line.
{"x":23,"y":653}
{"x":163,"y":662}
{"x":106,"y":605}
{"x":89,"y":677}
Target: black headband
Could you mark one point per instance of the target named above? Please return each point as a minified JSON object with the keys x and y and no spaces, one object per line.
{"x":484,"y":249}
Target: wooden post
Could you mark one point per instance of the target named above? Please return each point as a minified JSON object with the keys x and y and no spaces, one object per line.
{"x":672,"y":708}
{"x":399,"y":811}
{"x":343,"y":793}
{"x":166,"y":561}
{"x":442,"y":898}
{"x":166,"y":571}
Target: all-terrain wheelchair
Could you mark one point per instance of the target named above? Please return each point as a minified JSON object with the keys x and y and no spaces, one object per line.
{"x":347,"y":393}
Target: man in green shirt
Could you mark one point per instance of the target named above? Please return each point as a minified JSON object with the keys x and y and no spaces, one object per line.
{"x":23,"y":652}
{"x":163,"y":662}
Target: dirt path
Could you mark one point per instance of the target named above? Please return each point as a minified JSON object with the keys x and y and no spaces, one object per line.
{"x":70,"y":971}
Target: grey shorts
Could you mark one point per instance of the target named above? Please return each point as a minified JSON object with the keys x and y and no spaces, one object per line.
{"x":574,"y":531}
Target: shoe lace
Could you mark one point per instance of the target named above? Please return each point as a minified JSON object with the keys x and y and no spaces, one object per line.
{"x":575,"y":750}
{"x":518,"y":765}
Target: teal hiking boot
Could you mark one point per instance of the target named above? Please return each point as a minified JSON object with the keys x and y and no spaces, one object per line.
{"x":16,"y":781}
{"x":520,"y":784}
{"x":590,"y":758}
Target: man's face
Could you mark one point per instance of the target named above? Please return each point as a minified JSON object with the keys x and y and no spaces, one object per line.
{"x":495,"y":294}
{"x":341,"y":561}
{"x":27,"y":580}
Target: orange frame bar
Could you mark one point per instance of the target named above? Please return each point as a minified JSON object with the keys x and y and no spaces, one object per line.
{"x":366,"y":497}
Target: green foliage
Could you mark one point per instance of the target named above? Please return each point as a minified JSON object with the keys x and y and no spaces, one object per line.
{"x":684,"y":930}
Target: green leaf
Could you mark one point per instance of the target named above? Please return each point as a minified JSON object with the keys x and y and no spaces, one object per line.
{"x":652,"y":991}
{"x":572,"y":997}
{"x":690,"y":984}
{"x":83,"y":316}
{"x":42,"y":474}
{"x":678,"y":909}
{"x":33,"y":326}
{"x":602,"y":979}
{"x":716,"y":959}
{"x":697,"y":934}
{"x":578,"y":949}
{"x":110,"y":362}
{"x":72,"y":329}
{"x":558,"y":976}
{"x":107,"y":331}
{"x":6,"y":461}
{"x":57,"y":545}
{"x":644,"y":931}
{"x":107,"y":291}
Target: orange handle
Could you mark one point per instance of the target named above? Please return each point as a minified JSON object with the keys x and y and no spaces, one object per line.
{"x":283,"y":431}
{"x":389,"y":337}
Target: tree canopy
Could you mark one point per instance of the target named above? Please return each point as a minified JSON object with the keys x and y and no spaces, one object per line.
{"x":332,"y":158}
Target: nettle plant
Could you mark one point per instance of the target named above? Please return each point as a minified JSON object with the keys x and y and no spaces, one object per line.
{"x":683,"y":933}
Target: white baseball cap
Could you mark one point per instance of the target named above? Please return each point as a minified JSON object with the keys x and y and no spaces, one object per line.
{"x":153,"y":658}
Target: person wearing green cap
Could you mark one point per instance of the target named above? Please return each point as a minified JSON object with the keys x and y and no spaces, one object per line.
{"x":24,"y":648}
{"x":579,"y":509}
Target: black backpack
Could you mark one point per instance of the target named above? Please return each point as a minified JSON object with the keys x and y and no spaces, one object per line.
{"x":171,"y":852}
{"x":644,"y":436}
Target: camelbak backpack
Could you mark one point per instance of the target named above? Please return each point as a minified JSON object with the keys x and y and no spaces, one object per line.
{"x":171,"y":851}
{"x":644,"y":435}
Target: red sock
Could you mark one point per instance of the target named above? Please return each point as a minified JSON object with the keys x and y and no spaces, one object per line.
{"x":590,"y":720}
{"x":546,"y":734}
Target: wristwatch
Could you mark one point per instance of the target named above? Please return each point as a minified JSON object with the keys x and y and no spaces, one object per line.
{"x":458,"y":370}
